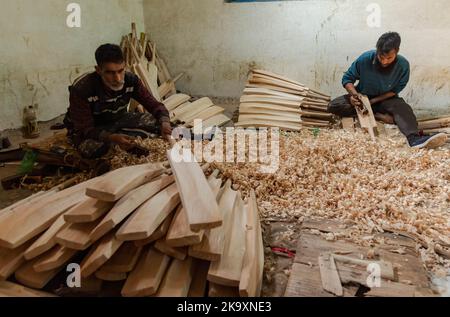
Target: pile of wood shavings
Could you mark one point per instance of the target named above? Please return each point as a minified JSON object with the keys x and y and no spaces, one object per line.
{"x":343,"y":176}
{"x":157,"y":147}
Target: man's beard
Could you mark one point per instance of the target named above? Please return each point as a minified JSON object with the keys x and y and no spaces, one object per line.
{"x":387,"y":69}
{"x":116,"y":88}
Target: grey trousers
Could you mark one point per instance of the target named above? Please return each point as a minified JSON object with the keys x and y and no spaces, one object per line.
{"x":91,"y":149}
{"x":403,"y":114}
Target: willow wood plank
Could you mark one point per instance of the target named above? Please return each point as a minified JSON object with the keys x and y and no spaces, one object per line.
{"x":118,"y":183}
{"x":227,"y":271}
{"x":145,"y":279}
{"x":205,"y":114}
{"x":199,"y":281}
{"x":99,"y":254}
{"x":147,"y":218}
{"x":262,"y":117}
{"x":77,"y":236}
{"x":253,"y":264}
{"x":195,"y":108}
{"x":27,"y":276}
{"x":273,"y":100}
{"x":217,"y":120}
{"x":269,"y":92}
{"x":177,"y":253}
{"x":178,"y":278}
{"x":245,"y":106}
{"x":128,"y":203}
{"x":124,"y":260}
{"x":9,"y":289}
{"x":27,"y":222}
{"x":251,"y":112}
{"x":54,"y":258}
{"x":88,"y":210}
{"x":110,"y":276}
{"x":11,"y":260}
{"x":274,"y":75}
{"x":212,"y":246}
{"x":277,"y":88}
{"x":176,"y":100}
{"x":269,"y":123}
{"x":197,"y":197}
{"x":278,"y":82}
{"x":180,"y":233}
{"x":158,"y":234}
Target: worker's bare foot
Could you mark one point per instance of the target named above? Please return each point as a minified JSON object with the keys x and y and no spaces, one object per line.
{"x":386,"y":118}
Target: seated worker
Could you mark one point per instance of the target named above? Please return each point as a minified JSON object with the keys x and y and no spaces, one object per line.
{"x":98,"y":107}
{"x":382,"y":75}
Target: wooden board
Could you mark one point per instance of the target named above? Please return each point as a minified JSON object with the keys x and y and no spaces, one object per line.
{"x":54,"y":258}
{"x":11,"y":260}
{"x":199,"y":281}
{"x":277,"y":88}
{"x":149,"y":78}
{"x":88,"y":210}
{"x":305,"y":275}
{"x":99,"y":254}
{"x":248,"y":114}
{"x":194,"y":109}
{"x":158,"y":234}
{"x":272,"y":118}
{"x":128,"y":203}
{"x":217,"y":120}
{"x":227,"y":271}
{"x":77,"y":236}
{"x":277,"y":76}
{"x":273,"y":100}
{"x":147,"y":218}
{"x":177,"y":253}
{"x":183,"y":110}
{"x":145,"y":279}
{"x":110,"y":276}
{"x":217,"y":290}
{"x":9,"y":289}
{"x":124,"y":260}
{"x":266,"y":123}
{"x":47,"y":240}
{"x":263,"y":79}
{"x":205,"y":114}
{"x":329,"y":275}
{"x":253,"y":265}
{"x":268,"y":107}
{"x":119,"y":182}
{"x":269,"y":92}
{"x":212,"y":246}
{"x":26,"y":223}
{"x":197,"y":197}
{"x":27,"y":276}
{"x":177,"y":281}
{"x":174,"y":101}
{"x":179,"y":233}
{"x":367,"y":121}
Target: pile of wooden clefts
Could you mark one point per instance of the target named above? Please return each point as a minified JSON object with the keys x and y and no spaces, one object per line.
{"x":159,"y":232}
{"x":435,"y":125}
{"x":271,"y":100}
{"x":142,"y":59}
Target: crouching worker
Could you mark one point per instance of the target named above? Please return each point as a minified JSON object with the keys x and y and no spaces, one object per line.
{"x":97,"y":116}
{"x":382,"y":75}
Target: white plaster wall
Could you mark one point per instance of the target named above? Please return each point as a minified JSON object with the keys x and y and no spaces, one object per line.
{"x":40,"y":55}
{"x":313,"y":41}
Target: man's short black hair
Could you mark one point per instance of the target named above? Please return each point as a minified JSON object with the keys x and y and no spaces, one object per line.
{"x":388,"y":42}
{"x":109,"y":53}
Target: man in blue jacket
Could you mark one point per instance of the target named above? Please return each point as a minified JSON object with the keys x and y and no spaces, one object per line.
{"x":382,"y":75}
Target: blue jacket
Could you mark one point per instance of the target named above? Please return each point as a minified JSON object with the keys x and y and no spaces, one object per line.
{"x":372,"y":81}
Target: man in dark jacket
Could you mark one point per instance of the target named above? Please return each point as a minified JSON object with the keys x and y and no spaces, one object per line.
{"x":97,"y":115}
{"x":382,"y":75}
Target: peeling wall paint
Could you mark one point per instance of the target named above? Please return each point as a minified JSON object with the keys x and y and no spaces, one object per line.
{"x":40,"y":56}
{"x":311,"y":41}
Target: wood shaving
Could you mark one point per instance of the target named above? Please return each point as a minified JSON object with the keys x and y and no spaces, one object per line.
{"x":344,"y":176}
